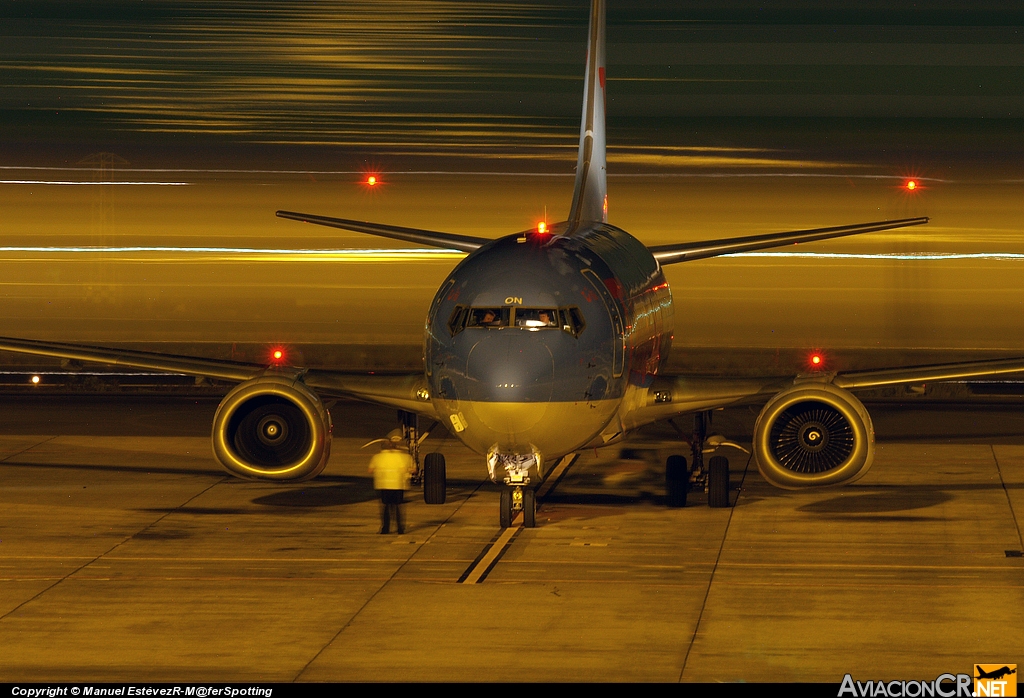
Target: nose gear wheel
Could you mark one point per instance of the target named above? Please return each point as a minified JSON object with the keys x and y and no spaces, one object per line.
{"x":514,"y":500}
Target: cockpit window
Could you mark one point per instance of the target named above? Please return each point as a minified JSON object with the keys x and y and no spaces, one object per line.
{"x":572,"y":321}
{"x":488,"y":317}
{"x":566,"y":319}
{"x":458,"y":319}
{"x":535,"y":318}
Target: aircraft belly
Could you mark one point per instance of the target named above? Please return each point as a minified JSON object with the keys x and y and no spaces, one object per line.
{"x":550,"y":428}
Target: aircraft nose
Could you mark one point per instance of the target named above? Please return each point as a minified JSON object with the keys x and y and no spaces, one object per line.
{"x":510,"y":366}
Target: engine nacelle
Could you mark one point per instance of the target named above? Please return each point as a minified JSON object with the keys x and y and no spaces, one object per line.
{"x":812,"y":435}
{"x":272,"y":428}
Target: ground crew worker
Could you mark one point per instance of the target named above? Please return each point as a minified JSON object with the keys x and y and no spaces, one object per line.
{"x":391,"y":469}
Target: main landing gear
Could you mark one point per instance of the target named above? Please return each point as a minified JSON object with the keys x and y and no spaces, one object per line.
{"x":515,"y":499}
{"x":432,"y":475}
{"x":713,"y":478}
{"x":435,"y":480}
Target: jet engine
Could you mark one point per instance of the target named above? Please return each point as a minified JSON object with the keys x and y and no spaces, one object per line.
{"x":811,"y":435}
{"x":272,"y":428}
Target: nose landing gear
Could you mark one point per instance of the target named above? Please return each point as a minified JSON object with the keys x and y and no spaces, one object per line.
{"x":515,"y":499}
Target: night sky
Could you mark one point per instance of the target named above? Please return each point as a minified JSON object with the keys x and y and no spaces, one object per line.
{"x":408,"y":82}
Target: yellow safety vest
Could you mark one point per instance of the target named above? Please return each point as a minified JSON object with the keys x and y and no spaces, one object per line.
{"x":391,"y":470}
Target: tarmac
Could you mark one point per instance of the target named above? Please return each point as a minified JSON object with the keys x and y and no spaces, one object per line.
{"x":127,"y":554}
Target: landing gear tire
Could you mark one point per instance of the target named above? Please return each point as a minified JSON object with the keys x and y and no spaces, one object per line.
{"x":677,"y":481}
{"x":718,"y":482}
{"x":505,"y":510}
{"x":435,"y":480}
{"x":529,"y":508}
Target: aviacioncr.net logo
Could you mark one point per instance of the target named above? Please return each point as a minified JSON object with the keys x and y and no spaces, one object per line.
{"x":943,"y":686}
{"x":995,"y":680}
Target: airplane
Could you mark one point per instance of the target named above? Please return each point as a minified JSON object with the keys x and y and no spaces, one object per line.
{"x":996,"y":674}
{"x":543,"y":343}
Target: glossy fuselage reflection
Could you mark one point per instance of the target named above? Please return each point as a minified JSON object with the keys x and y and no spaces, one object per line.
{"x":547,"y":390}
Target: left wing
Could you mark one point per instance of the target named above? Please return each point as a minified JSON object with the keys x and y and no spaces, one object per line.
{"x":236,"y":371}
{"x":449,"y":241}
{"x":408,"y":392}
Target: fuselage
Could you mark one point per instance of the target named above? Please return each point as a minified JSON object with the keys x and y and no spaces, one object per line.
{"x":534,"y":340}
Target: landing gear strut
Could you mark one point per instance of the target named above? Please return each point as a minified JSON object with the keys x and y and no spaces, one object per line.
{"x":712,"y":478}
{"x":701,"y":422}
{"x":515,"y":499}
{"x":432,"y":476}
{"x":409,"y":422}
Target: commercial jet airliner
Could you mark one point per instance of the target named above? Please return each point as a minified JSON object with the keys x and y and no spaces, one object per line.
{"x":543,"y":343}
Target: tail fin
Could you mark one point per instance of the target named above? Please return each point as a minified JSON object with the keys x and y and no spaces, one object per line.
{"x":590,"y":197}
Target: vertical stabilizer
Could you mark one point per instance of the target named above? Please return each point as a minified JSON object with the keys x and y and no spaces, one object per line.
{"x":590,"y":197}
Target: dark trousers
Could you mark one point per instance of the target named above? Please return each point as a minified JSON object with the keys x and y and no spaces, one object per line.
{"x":391,"y":502}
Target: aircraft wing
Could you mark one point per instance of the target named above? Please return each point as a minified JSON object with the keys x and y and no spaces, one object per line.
{"x":407,"y":392}
{"x":689,"y":251}
{"x":448,"y":241}
{"x":932,"y":373}
{"x":669,"y":396}
{"x":153,"y":361}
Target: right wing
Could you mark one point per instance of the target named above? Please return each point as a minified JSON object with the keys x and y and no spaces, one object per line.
{"x":689,"y":251}
{"x":670,"y":396}
{"x":931,"y":373}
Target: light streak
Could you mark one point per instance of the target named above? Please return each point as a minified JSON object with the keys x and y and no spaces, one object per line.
{"x":900,"y":256}
{"x":480,"y":173}
{"x":248,"y":254}
{"x":420,"y":254}
{"x":66,"y":183}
